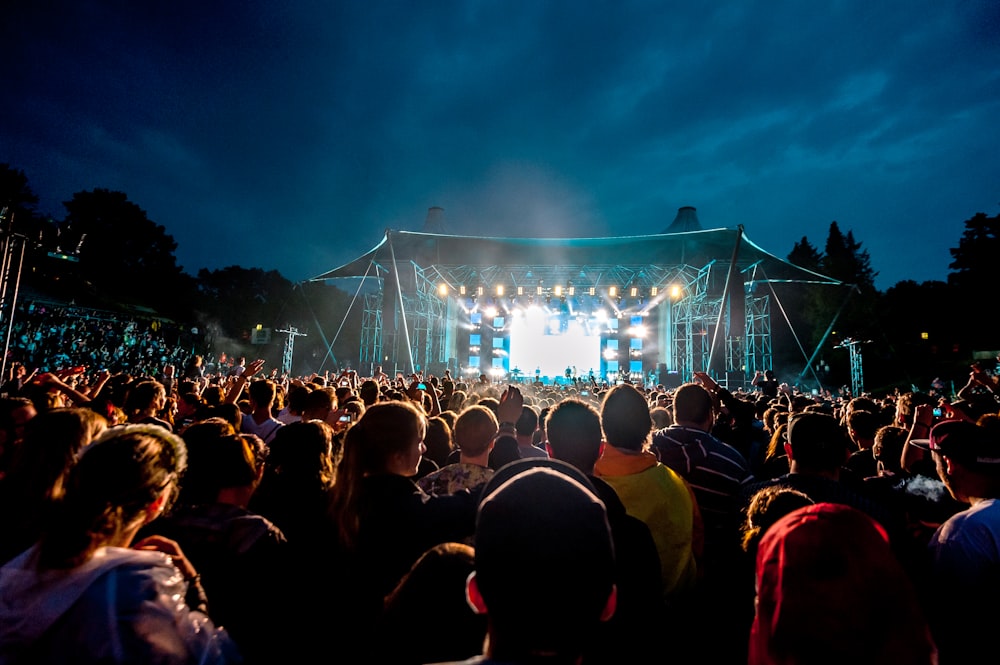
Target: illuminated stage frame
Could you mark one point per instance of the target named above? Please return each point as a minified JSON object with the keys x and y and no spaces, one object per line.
{"x":699,"y":291}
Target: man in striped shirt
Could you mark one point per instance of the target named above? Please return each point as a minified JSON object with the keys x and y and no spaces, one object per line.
{"x":714,"y":469}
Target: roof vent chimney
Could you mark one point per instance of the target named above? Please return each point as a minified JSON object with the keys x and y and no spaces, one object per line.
{"x":686,"y":220}
{"x":435,"y":220}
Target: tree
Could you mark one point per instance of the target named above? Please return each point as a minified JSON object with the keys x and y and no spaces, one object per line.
{"x":19,"y":203}
{"x":974,"y":275}
{"x":845,"y":260}
{"x":236,"y":299}
{"x":805,"y":255}
{"x":851,"y":308}
{"x":975,"y":259}
{"x":123,"y":254}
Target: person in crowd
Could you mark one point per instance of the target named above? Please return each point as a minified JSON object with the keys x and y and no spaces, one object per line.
{"x":573,"y":428}
{"x":17,"y":378}
{"x":260,"y":420}
{"x":766,"y":507}
{"x":525,"y":427}
{"x":651,"y":491}
{"x":475,"y":430}
{"x":15,"y":413}
{"x":382,"y":521}
{"x":37,"y":478}
{"x":319,"y":404}
{"x":544,"y":564}
{"x":369,"y":391}
{"x":144,"y":403}
{"x":238,"y":368}
{"x":50,"y":391}
{"x":439,"y":440}
{"x":766,"y":383}
{"x":189,"y":404}
{"x":661,"y":417}
{"x":862,"y":427}
{"x":774,"y":462}
{"x":229,"y":545}
{"x":716,"y":472}
{"x":194,"y":369}
{"x":294,"y":404}
{"x":964,"y":557}
{"x":505,"y":450}
{"x":427,"y":618}
{"x":830,"y":590}
{"x":86,"y":593}
{"x":297,"y":481}
{"x":817,"y":448}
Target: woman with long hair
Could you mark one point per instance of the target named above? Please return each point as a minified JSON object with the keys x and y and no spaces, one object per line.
{"x":383,"y":521}
{"x":85,"y":592}
{"x":37,"y":478}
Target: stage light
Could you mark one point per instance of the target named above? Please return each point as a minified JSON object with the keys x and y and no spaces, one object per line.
{"x":499,"y":289}
{"x":538,"y":290}
{"x":592,"y":291}
{"x":654,"y":291}
{"x":633,"y":292}
{"x":613,"y":291}
{"x":490,"y":312}
{"x":558,"y":290}
{"x":461,"y":290}
{"x":520,"y":290}
{"x":442,"y":289}
{"x":676,"y":292}
{"x":571,"y":291}
{"x":479,"y":290}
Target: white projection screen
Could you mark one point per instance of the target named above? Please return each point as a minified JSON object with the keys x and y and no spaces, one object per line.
{"x":551,"y":344}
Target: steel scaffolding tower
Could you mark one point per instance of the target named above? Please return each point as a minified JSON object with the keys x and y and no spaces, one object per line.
{"x":857,"y":374}
{"x":370,"y":353}
{"x":758,"y":338}
{"x":286,"y":356}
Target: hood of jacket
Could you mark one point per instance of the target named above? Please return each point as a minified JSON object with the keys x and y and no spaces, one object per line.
{"x":619,"y":462}
{"x":31,"y":600}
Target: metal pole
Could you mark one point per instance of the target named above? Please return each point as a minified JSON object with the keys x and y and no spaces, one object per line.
{"x":12,"y":303}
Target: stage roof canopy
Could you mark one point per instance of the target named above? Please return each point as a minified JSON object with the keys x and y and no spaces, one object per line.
{"x":695,"y":249}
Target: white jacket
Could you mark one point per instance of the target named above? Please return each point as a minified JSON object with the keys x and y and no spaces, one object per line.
{"x":121,"y":606}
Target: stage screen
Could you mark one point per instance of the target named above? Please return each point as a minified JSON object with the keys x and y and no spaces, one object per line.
{"x":539,"y":340}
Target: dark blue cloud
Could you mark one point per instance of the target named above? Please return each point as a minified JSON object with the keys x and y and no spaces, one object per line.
{"x":289,"y":136}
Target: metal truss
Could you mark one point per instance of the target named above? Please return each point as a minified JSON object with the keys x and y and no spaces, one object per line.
{"x":370,"y":354}
{"x":693,"y":312}
{"x":758,"y":337}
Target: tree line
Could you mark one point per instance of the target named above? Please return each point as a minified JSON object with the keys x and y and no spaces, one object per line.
{"x":107,"y":251}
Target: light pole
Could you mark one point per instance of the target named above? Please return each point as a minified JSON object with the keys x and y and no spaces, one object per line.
{"x":857,"y":374}
{"x":286,"y":357}
{"x":14,"y":245}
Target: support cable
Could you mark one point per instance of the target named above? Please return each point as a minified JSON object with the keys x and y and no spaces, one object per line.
{"x":329,"y":344}
{"x":402,"y":308}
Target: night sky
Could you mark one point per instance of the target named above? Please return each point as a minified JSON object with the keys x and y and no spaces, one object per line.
{"x":290,"y":135}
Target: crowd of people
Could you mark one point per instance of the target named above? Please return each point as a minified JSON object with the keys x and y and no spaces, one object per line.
{"x":48,"y":336}
{"x":179,"y":515}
